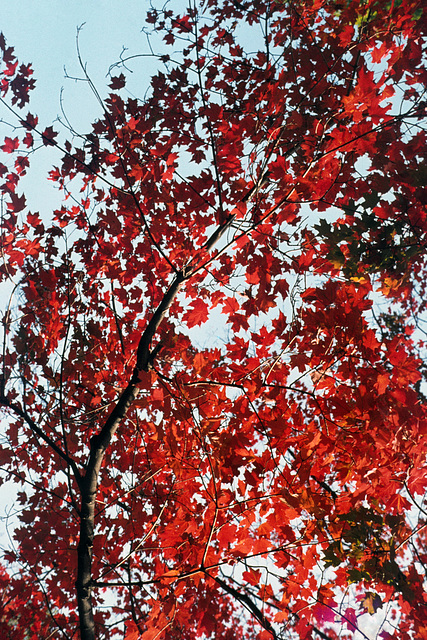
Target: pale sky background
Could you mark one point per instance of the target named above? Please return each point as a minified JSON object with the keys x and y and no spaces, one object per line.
{"x":44,"y":33}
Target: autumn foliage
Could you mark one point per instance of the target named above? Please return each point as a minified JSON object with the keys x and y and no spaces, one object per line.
{"x":213,"y":352}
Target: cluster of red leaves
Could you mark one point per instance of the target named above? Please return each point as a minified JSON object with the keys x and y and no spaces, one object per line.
{"x":270,"y":469}
{"x":23,"y":608}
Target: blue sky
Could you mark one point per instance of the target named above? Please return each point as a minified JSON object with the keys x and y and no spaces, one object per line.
{"x":44,"y":33}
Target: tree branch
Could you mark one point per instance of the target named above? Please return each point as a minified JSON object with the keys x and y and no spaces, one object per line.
{"x":41,"y":434}
{"x":248,"y":603}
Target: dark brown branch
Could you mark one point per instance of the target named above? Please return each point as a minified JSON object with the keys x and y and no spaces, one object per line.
{"x":248,"y":603}
{"x":41,"y":434}
{"x":89,"y":487}
{"x":326,"y":487}
{"x":100,"y":442}
{"x":143,"y":351}
{"x":321,"y":634}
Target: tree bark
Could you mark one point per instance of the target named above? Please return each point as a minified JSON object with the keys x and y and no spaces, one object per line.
{"x":89,"y":487}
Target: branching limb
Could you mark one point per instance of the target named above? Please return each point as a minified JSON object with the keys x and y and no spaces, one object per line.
{"x":42,"y":435}
{"x":248,"y":603}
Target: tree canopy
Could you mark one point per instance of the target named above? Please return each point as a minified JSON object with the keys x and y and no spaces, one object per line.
{"x":213,"y":352}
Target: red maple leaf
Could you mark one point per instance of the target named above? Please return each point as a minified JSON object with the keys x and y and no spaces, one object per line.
{"x":196,"y":314}
{"x":10,"y":145}
{"x":117,"y":82}
{"x":17,"y":203}
{"x":48,"y":136}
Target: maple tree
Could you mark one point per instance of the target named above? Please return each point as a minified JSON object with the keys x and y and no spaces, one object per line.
{"x":212,"y":354}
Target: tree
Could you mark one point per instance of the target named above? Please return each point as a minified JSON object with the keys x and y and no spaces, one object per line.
{"x":212,"y":362}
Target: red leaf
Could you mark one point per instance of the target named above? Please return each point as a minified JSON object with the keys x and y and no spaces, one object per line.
{"x":252,"y":576}
{"x":48,"y":136}
{"x":10,"y":145}
{"x":197,"y":313}
{"x":117,"y":82}
{"x":30,"y":122}
{"x":382,"y":383}
{"x":18,"y":203}
{"x":230,"y":306}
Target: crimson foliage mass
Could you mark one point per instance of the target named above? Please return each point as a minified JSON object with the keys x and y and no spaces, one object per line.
{"x":262,"y":475}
